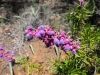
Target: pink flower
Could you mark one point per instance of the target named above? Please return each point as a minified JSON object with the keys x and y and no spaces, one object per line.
{"x":74,"y":51}
{"x":50,"y":32}
{"x":38,"y":35}
{"x":51,"y":43}
{"x":28,"y":36}
{"x":81,"y":1}
{"x":41,"y":32}
{"x":56,"y":41}
{"x":32,"y":33}
{"x":41,"y":27}
{"x":48,"y":28}
{"x":9,"y":58}
{"x":30,"y":27}
{"x":46,"y":41}
{"x":6,"y":54}
{"x":67,"y":47}
{"x":68,"y":40}
{"x":77,"y":47}
{"x":62,"y":42}
{"x":1,"y":54}
{"x":27,"y":31}
{"x":13,"y":52}
{"x":6,"y":51}
{"x":63,"y":33}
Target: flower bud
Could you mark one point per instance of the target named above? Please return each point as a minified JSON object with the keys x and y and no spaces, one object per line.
{"x":38,"y":35}
{"x":61,"y":41}
{"x":81,"y":1}
{"x":50,"y":32}
{"x":41,"y":27}
{"x":56,"y":41}
{"x":13,"y":52}
{"x":28,"y":36}
{"x":67,"y":47}
{"x":74,"y":51}
{"x":41,"y":32}
{"x":30,"y":27}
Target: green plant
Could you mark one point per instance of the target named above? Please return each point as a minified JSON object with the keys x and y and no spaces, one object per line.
{"x":90,"y":39}
{"x":27,"y":65}
{"x":89,"y":36}
{"x":72,"y":65}
{"x":79,"y":15}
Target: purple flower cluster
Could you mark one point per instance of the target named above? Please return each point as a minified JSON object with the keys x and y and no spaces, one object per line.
{"x":50,"y":37}
{"x":6,"y":54}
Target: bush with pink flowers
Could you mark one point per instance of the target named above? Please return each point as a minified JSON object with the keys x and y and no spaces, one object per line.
{"x":6,"y":54}
{"x":50,"y":37}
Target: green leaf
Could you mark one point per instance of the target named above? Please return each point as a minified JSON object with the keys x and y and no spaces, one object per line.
{"x":19,"y":17}
{"x":86,"y":62}
{"x":56,"y":50}
{"x":31,"y":47}
{"x":18,"y":59}
{"x":11,"y":69}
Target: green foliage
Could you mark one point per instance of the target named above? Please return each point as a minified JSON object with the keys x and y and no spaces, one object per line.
{"x":70,"y":66}
{"x":90,"y":39}
{"x":79,"y":13}
{"x":98,"y":65}
{"x":27,"y":65}
{"x":78,"y":16}
{"x":89,"y":35}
